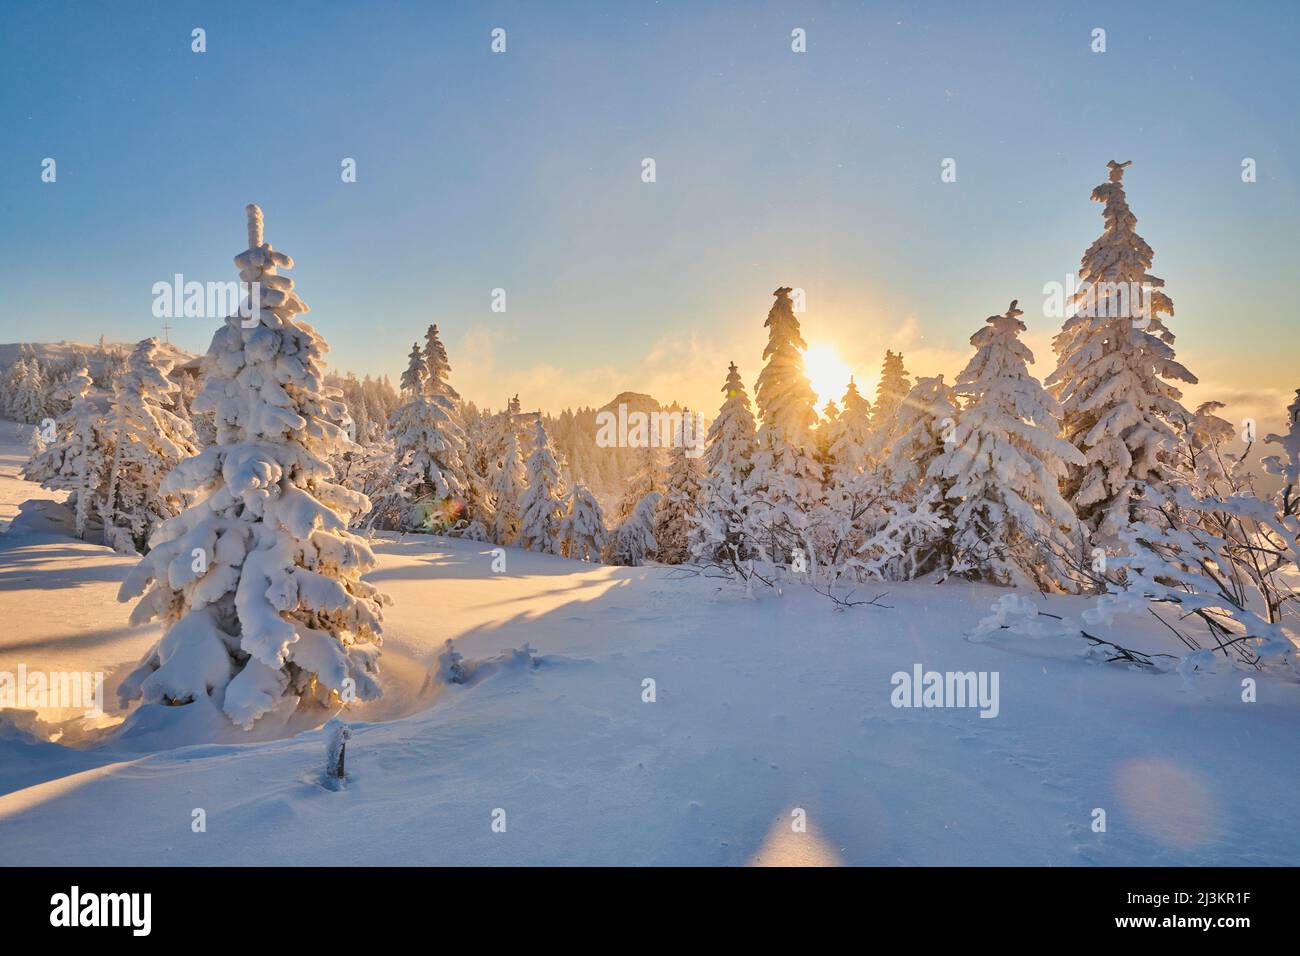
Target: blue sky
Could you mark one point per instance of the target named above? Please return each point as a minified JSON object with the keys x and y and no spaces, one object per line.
{"x":522,"y":171}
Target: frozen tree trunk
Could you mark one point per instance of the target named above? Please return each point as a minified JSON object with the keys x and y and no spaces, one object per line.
{"x":337,"y":734}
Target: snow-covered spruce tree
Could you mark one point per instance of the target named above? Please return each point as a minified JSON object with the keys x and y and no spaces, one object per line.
{"x":32,"y":398}
{"x":1286,"y":466}
{"x":728,"y":458}
{"x":848,"y":437}
{"x":35,"y":444}
{"x":893,"y":387}
{"x":679,"y":509}
{"x":648,"y":477}
{"x":855,"y":489}
{"x":479,"y":461}
{"x":371,"y":469}
{"x":1005,"y":464}
{"x":785,"y":485}
{"x":913,"y":540}
{"x":633,"y":541}
{"x":428,"y":443}
{"x":509,"y":482}
{"x":582,"y":531}
{"x":13,"y":385}
{"x":258,"y":582}
{"x":437,"y":384}
{"x":541,"y":508}
{"x":77,"y":461}
{"x":1216,"y":563}
{"x":1115,"y":365}
{"x":149,"y":441}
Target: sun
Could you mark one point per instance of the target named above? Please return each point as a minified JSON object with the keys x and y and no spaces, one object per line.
{"x":827,"y":372}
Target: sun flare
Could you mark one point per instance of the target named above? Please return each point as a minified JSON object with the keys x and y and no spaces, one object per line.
{"x":827,"y":372}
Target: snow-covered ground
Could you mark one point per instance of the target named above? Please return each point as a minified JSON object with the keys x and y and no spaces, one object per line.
{"x":763,"y":707}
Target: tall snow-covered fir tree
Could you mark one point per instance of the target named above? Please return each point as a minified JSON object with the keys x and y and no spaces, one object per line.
{"x":149,"y":440}
{"x":542,"y":507}
{"x":583,"y":536}
{"x":893,"y":387}
{"x":1005,"y":464}
{"x":678,"y":512}
{"x":428,"y":441}
{"x":728,"y":458}
{"x":1115,"y":366}
{"x":785,"y":484}
{"x":509,"y":482}
{"x":77,"y":461}
{"x":257,"y":583}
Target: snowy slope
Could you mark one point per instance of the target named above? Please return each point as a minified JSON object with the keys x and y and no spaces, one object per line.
{"x":763,"y":706}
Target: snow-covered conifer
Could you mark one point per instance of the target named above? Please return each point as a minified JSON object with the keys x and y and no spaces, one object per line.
{"x":855,"y":492}
{"x":428,"y":440}
{"x":893,"y":387}
{"x":633,"y":541}
{"x":785,"y":484}
{"x":728,"y":459}
{"x":679,"y":508}
{"x":1005,"y":463}
{"x":541,"y":509}
{"x":32,"y":396}
{"x":77,"y":461}
{"x":12,"y":388}
{"x":920,"y":431}
{"x":647,"y":477}
{"x":582,"y":531}
{"x":257,"y":582}
{"x":509,"y":482}
{"x":1114,"y":374}
{"x":149,"y":441}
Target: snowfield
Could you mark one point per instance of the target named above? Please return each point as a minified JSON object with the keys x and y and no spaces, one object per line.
{"x":763,"y":707}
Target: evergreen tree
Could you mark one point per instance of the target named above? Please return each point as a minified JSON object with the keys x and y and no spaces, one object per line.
{"x":1005,"y":463}
{"x":77,"y":461}
{"x":429,"y":442}
{"x":893,"y":387}
{"x":855,"y":490}
{"x":679,"y":508}
{"x":509,"y":482}
{"x":1115,"y":364}
{"x":917,"y":504}
{"x":582,"y":532}
{"x":257,"y":583}
{"x":18,"y":372}
{"x":149,"y":441}
{"x":728,"y":459}
{"x":32,"y":398}
{"x":633,"y":541}
{"x":785,"y":484}
{"x":647,"y":478}
{"x":541,"y":508}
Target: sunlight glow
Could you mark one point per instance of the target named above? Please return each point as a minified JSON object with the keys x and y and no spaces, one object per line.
{"x":828,"y":373}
